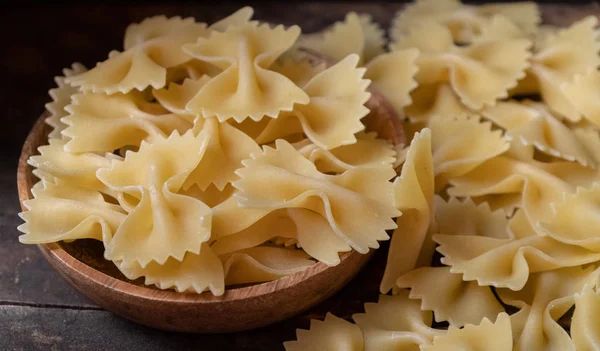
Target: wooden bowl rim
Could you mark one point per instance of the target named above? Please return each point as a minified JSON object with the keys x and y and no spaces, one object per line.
{"x":56,"y":252}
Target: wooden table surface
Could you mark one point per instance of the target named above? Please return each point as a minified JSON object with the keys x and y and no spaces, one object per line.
{"x":38,"y":310}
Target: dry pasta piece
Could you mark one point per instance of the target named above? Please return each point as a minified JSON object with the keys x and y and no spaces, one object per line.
{"x":224,"y":151}
{"x":176,"y":97}
{"x":332,"y":117}
{"x":429,"y":101}
{"x":222,"y":225}
{"x":246,"y":87}
{"x":261,"y":264}
{"x":572,"y":51}
{"x":392,"y":74}
{"x":539,"y":185}
{"x":275,"y":224}
{"x":531,"y":123}
{"x":589,"y":137}
{"x":61,"y":97}
{"x":61,"y":211}
{"x":486,"y":336}
{"x":575,"y":219}
{"x":368,"y":151}
{"x":357,"y":34}
{"x":453,"y":300}
{"x":479,"y":73}
{"x":546,"y":297}
{"x":411,"y":245}
{"x":332,"y":334}
{"x":164,"y":223}
{"x":238,"y":18}
{"x":298,"y":72}
{"x":211,"y":196}
{"x":460,"y":145}
{"x":507,"y":263}
{"x":283,"y":178}
{"x":151,"y":47}
{"x":396,"y":323}
{"x":466,"y":218}
{"x":195,"y":273}
{"x":584,"y":326}
{"x":193,"y":69}
{"x":104,"y":123}
{"x":316,"y":237}
{"x":464,"y":21}
{"x":76,"y":169}
{"x":582,"y":93}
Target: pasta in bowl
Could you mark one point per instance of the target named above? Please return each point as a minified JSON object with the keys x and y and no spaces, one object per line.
{"x":207,"y":178}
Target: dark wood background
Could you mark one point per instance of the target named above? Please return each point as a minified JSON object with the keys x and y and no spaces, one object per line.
{"x":38,"y":310}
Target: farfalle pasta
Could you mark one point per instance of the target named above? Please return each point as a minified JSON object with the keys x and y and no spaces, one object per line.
{"x":61,"y":97}
{"x":205,"y":157}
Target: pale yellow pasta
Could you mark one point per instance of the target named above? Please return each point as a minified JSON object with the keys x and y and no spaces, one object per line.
{"x":222,"y":225}
{"x":283,"y":178}
{"x":466,"y":218}
{"x":193,"y":69}
{"x":332,"y":117}
{"x":211,"y":196}
{"x":164,"y":223}
{"x":151,"y":47}
{"x":531,"y":123}
{"x":396,"y":323}
{"x":61,"y":211}
{"x":479,"y":73}
{"x":338,"y":41}
{"x":61,"y":97}
{"x":507,"y":263}
{"x":539,"y":184}
{"x":104,"y":123}
{"x":584,"y":326}
{"x":238,"y":18}
{"x":436,"y":100}
{"x":246,"y":87}
{"x":464,"y":21}
{"x":75,"y":169}
{"x":298,"y":72}
{"x":275,"y":224}
{"x":454,"y":300}
{"x":316,"y":237}
{"x":411,"y":245}
{"x":582,"y":93}
{"x":546,"y":297}
{"x":224,"y":148}
{"x":368,"y":151}
{"x":572,"y":51}
{"x":486,"y":336}
{"x":175,"y":97}
{"x":332,"y":334}
{"x":194,"y":273}
{"x":460,"y":145}
{"x":576,"y":219}
{"x":260,"y":264}
{"x":357,"y":34}
{"x":392,"y":74}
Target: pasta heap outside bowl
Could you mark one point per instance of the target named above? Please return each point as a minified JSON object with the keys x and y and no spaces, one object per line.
{"x":81,"y":263}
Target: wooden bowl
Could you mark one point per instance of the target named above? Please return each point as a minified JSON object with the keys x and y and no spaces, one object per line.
{"x":81,"y":263}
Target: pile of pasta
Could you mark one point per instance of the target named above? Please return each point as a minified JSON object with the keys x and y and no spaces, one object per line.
{"x":205,"y":156}
{"x":501,"y":179}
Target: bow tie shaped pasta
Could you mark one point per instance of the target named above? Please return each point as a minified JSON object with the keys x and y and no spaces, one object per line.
{"x":583,"y":327}
{"x":327,"y":335}
{"x":546,"y":297}
{"x":246,"y":87}
{"x":464,"y":21}
{"x":558,"y":61}
{"x":61,"y":211}
{"x":151,"y":47}
{"x":479,"y":73}
{"x":163,"y":223}
{"x":532,"y":124}
{"x":61,"y":97}
{"x":283,"y":178}
{"x":103,"y":123}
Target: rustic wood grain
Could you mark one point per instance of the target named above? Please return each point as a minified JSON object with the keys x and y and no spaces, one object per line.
{"x":38,"y":43}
